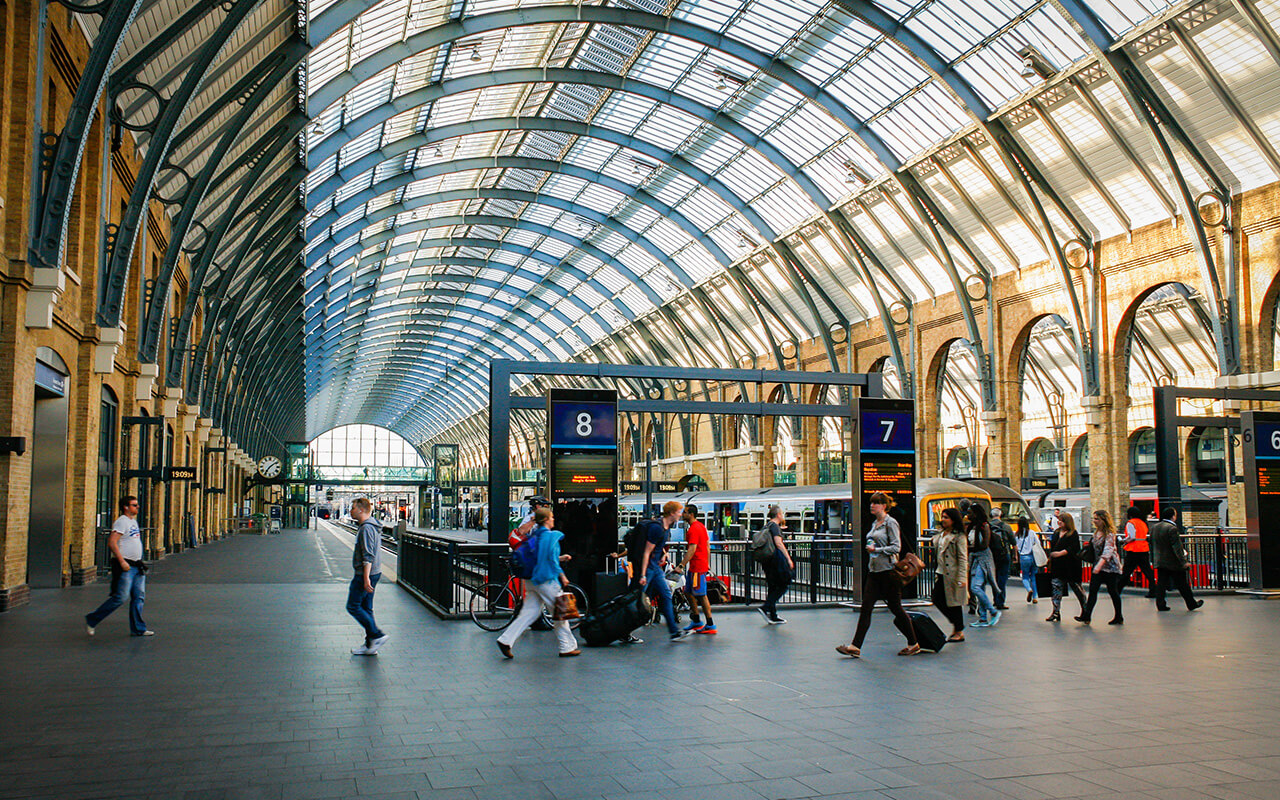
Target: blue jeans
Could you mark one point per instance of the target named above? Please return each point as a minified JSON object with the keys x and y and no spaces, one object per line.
{"x":1028,"y":564}
{"x":128,"y":585}
{"x":657,"y":588}
{"x":1002,"y":578}
{"x":981,"y":573}
{"x":360,"y":606}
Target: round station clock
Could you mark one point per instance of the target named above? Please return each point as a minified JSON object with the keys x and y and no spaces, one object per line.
{"x":269,"y":467}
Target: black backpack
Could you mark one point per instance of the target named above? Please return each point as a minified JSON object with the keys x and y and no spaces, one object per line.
{"x":635,"y":541}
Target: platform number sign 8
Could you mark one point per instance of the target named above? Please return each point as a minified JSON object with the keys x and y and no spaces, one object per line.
{"x":584,"y":424}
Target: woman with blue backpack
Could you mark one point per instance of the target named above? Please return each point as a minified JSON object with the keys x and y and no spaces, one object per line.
{"x":544,"y":580}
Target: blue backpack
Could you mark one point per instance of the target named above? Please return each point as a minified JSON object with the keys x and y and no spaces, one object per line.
{"x":524,"y":558}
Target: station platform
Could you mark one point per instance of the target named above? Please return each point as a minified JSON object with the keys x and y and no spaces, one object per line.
{"x":248,"y":690}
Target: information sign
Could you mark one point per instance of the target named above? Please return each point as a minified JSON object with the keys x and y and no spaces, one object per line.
{"x":1260,"y":432}
{"x":584,"y":425}
{"x":886,"y":454}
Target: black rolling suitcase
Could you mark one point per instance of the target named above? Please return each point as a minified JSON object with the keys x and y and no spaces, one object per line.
{"x":928,"y":634}
{"x":615,"y":618}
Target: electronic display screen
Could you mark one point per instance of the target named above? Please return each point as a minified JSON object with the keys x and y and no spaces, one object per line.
{"x":886,"y":426}
{"x":578,"y":474}
{"x":584,"y":424}
{"x":888,"y":475}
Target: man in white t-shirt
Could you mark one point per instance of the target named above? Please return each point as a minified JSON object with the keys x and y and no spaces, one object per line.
{"x":128,"y":571}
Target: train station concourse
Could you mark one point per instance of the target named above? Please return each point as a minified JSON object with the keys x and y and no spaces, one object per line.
{"x":866,"y":270}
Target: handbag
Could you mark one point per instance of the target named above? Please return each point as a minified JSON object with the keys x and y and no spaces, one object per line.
{"x":1038,"y":553}
{"x":908,"y":568}
{"x":566,"y":607}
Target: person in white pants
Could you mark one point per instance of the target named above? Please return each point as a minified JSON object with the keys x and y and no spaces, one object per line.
{"x":547,"y":580}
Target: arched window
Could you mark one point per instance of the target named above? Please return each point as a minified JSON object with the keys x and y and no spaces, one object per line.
{"x":1208,"y":454}
{"x":108,"y":435}
{"x":960,"y":463}
{"x":1142,"y":457}
{"x":1080,"y":462}
{"x":1042,"y":465}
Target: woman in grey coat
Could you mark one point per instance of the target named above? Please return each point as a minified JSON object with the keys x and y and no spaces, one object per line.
{"x":884,"y":543}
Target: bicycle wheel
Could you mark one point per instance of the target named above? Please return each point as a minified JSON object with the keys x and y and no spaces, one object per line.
{"x":493,"y":606}
{"x":578,"y":595}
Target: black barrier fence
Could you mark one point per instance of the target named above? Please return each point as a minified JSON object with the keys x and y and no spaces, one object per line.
{"x":446,"y":573}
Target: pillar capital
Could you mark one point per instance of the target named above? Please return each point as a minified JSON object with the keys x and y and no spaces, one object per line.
{"x":104,"y":352}
{"x":172,"y":398}
{"x":147,"y":374}
{"x":47,"y":284}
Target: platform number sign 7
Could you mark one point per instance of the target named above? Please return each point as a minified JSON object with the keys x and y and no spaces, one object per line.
{"x":887,"y":431}
{"x":887,"y":425}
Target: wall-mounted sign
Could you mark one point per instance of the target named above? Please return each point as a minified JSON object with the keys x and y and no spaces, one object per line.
{"x":50,"y":379}
{"x":179,"y":473}
{"x":1260,"y":431}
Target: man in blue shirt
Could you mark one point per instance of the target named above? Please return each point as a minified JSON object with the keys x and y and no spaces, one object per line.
{"x":650,"y":567}
{"x":366,"y":561}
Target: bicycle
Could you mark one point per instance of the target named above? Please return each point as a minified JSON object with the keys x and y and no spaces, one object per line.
{"x":494,"y":605}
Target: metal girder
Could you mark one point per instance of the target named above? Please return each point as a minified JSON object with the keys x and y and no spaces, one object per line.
{"x":157,"y":44}
{"x":345,"y":11}
{"x":792,"y":271}
{"x":204,"y":260}
{"x":53,"y":213}
{"x":277,"y":68}
{"x":116,"y":270}
{"x":1156,"y":120}
{"x":535,"y":198}
{"x":313,"y":295}
{"x":522,"y":196}
{"x":1017,"y":161}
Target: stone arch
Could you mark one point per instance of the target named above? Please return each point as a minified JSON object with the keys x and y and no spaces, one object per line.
{"x":1269,"y":328}
{"x":886,"y":366}
{"x":951,"y":403}
{"x":1048,"y":401}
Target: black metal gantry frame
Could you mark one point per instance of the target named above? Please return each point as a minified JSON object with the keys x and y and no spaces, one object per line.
{"x":1168,"y":421}
{"x":502,"y":401}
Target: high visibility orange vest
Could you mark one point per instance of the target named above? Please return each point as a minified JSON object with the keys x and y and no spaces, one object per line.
{"x":1140,"y":545}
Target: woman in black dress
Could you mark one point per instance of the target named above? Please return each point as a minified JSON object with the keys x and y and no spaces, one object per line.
{"x":1064,"y":564}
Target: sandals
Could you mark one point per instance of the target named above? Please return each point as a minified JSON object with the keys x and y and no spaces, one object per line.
{"x":851,"y":651}
{"x":909,"y":650}
{"x":956,"y":637}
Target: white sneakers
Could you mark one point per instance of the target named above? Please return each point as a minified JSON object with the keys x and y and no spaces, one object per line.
{"x":372,"y":648}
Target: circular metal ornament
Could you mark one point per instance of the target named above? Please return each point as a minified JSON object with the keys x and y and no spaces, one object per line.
{"x":197,"y":236}
{"x":654,"y":391}
{"x":788,"y":349}
{"x":138,"y":86}
{"x":899,"y":313}
{"x":1076,"y":254}
{"x":975,"y":288}
{"x":1211,"y":210}
{"x":838,"y":332}
{"x":178,"y":196}
{"x":681,"y":385}
{"x":746,"y":362}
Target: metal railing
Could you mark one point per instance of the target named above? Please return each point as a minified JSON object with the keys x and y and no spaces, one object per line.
{"x":446,"y":572}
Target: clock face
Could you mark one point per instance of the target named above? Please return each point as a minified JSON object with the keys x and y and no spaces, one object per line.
{"x":269,"y":467}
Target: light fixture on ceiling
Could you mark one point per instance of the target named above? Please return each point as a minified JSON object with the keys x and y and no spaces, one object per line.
{"x":854,"y":174}
{"x":724,"y":78}
{"x":745,"y":241}
{"x":1034,"y":65}
{"x":439,"y":153}
{"x":475,"y":53}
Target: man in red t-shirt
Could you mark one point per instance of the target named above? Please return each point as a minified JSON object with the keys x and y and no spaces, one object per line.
{"x":696,"y":569}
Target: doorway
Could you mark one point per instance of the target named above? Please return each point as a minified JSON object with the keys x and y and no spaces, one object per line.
{"x":48,"y":472}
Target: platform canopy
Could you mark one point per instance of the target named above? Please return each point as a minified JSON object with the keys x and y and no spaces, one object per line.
{"x":440,"y":182}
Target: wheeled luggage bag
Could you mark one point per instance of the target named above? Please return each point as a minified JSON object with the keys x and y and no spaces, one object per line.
{"x":928,"y":634}
{"x":615,"y":618}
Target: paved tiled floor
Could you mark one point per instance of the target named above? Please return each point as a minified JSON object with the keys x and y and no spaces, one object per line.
{"x":248,"y":691}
